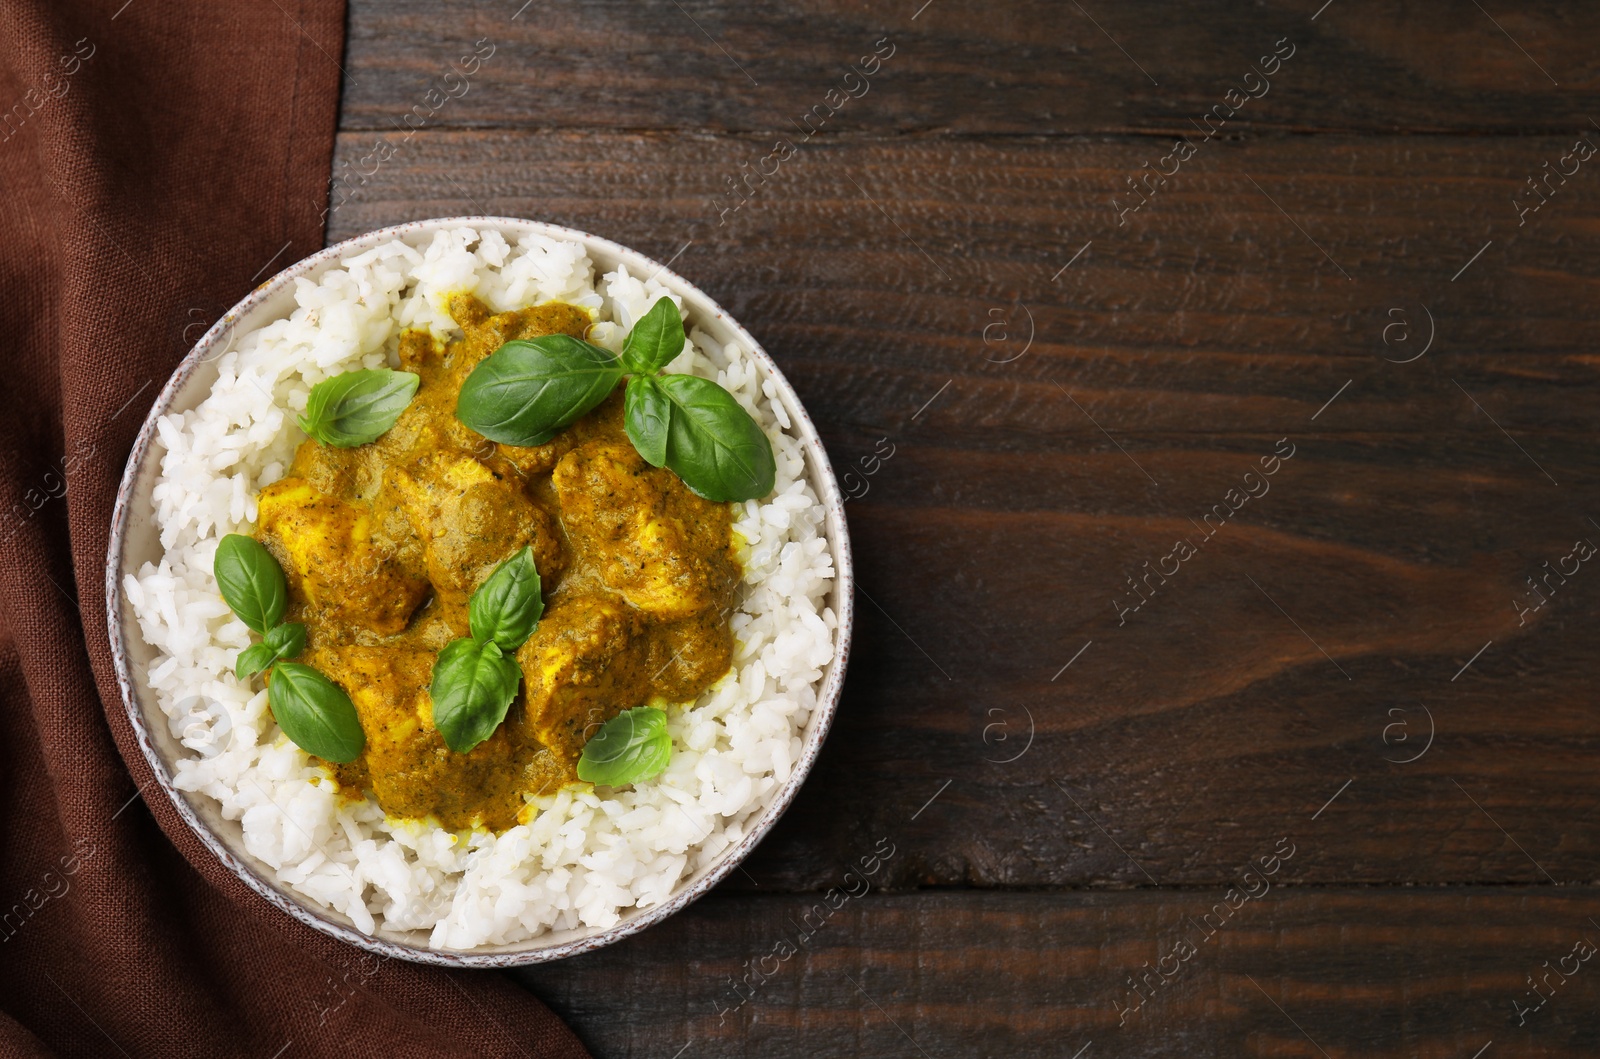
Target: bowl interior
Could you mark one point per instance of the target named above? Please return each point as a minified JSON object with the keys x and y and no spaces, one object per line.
{"x":135,"y":540}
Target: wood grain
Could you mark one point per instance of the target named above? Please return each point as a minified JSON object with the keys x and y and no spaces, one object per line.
{"x":1309,"y":640}
{"x":959,"y":67}
{"x":1381,"y":974}
{"x":950,"y":264}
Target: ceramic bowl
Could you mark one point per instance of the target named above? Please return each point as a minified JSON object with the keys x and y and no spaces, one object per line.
{"x":135,"y":541}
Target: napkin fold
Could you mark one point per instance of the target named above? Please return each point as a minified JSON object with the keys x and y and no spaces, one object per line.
{"x":158,"y":158}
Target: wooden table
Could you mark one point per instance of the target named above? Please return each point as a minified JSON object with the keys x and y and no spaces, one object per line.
{"x":1201,"y":704}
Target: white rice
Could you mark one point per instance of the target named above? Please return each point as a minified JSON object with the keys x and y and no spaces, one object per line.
{"x":584,"y":859}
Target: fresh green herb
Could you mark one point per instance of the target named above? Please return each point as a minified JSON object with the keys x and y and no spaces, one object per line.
{"x":251,"y":581}
{"x":254,"y":659}
{"x":315,"y":712}
{"x":632,"y":746}
{"x":358,"y":406}
{"x":473,"y":685}
{"x":655,"y":340}
{"x":311,"y":709}
{"x":526,"y":390}
{"x":475,"y":679}
{"x":647,"y":417}
{"x":506,"y":608}
{"x":280,"y":642}
{"x":709,"y":440}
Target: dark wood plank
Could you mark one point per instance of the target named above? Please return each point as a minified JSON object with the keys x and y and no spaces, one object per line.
{"x":1295,"y":650}
{"x":1342,"y":666}
{"x":1381,"y":974}
{"x":1210,"y":282}
{"x":962,"y":67}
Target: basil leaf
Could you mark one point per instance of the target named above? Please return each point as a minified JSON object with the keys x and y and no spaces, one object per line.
{"x":358,"y":406}
{"x":286,"y":640}
{"x":632,"y":746}
{"x":655,"y":340}
{"x":526,"y":390}
{"x":315,"y":712}
{"x":251,"y":581}
{"x":282,"y":641}
{"x":646,"y":412}
{"x":711,"y":441}
{"x":507,"y":606}
{"x":473,"y":685}
{"x":253,"y":659}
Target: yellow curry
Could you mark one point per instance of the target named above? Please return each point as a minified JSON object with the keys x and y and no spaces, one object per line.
{"x":384,"y":543}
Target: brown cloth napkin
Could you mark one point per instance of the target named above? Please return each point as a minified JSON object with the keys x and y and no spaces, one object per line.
{"x":157,"y":159}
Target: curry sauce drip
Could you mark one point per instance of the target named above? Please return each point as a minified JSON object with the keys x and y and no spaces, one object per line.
{"x":383,"y":545}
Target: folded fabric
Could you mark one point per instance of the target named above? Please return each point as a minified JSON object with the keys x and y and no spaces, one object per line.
{"x":158,"y":160}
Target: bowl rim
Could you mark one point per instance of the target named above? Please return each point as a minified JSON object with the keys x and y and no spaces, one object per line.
{"x":531,"y":951}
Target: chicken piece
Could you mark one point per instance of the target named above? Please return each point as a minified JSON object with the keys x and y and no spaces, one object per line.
{"x":470,"y":520}
{"x":420,"y":352}
{"x":406,"y":762}
{"x":605,"y":420}
{"x":486,"y":332}
{"x":579,"y":673}
{"x":333,"y":560}
{"x":635,"y":524}
{"x":346,"y":474}
{"x":536,"y":459}
{"x":686,"y":657}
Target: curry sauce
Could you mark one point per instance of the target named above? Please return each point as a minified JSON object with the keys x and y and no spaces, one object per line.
{"x":383,"y":545}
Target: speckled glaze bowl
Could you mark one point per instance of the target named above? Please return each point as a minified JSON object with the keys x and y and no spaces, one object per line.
{"x":135,"y":541}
